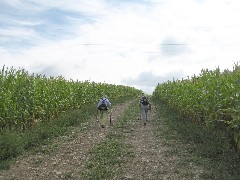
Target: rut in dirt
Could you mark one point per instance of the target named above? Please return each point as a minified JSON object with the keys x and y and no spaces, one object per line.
{"x":152,"y":159}
{"x":69,"y":153}
{"x":155,"y":152}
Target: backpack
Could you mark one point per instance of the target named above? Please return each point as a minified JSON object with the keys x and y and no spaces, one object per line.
{"x":144,"y":101}
{"x":103,"y":105}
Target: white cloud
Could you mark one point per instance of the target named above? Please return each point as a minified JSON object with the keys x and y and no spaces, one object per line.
{"x":128,"y":42}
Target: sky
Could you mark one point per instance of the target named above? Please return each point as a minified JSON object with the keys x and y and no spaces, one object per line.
{"x":137,"y":43}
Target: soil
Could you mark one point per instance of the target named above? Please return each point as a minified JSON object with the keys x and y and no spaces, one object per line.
{"x":154,"y":157}
{"x":66,"y":155}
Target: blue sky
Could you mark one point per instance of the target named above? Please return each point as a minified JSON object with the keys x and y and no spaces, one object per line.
{"x":138,"y":43}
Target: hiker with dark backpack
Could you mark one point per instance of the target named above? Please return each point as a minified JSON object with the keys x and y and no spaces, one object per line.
{"x":102,"y":108}
{"x":145,"y":105}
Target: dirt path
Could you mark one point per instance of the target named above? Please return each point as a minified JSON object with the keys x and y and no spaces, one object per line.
{"x":68,"y":156}
{"x":154,"y":156}
{"x":148,"y":152}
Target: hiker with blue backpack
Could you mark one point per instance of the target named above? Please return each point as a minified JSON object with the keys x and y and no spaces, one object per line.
{"x":103,"y":108}
{"x":145,"y":105}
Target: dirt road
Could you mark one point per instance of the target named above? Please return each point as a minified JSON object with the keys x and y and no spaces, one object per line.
{"x":154,"y":156}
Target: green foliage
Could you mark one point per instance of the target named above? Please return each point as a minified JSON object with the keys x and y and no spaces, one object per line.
{"x":34,"y":108}
{"x":41,"y":133}
{"x":206,"y":146}
{"x":76,"y":117}
{"x":13,"y":143}
{"x":28,"y":98}
{"x":212,"y":98}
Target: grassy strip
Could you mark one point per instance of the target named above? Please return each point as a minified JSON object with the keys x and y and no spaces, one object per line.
{"x":207,"y":148}
{"x":107,"y":159}
{"x":14,"y":143}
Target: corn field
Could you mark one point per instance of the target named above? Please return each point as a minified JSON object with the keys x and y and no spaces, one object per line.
{"x":27,"y":98}
{"x":212,"y":98}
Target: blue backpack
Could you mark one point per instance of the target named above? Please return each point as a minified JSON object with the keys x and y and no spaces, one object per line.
{"x":103,"y":105}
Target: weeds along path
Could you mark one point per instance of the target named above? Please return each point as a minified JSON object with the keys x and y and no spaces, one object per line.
{"x":65,"y":157}
{"x":134,"y":151}
{"x":125,"y":150}
{"x":155,"y":156}
{"x":159,"y":151}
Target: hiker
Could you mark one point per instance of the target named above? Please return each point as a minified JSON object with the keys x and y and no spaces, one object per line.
{"x":102,"y":107}
{"x":145,"y":105}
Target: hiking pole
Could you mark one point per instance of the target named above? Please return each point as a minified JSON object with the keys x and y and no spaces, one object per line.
{"x":110,"y":116}
{"x":97,"y":115}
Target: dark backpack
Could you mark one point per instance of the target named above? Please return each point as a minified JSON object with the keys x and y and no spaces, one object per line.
{"x":103,"y":106}
{"x":144,"y":101}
